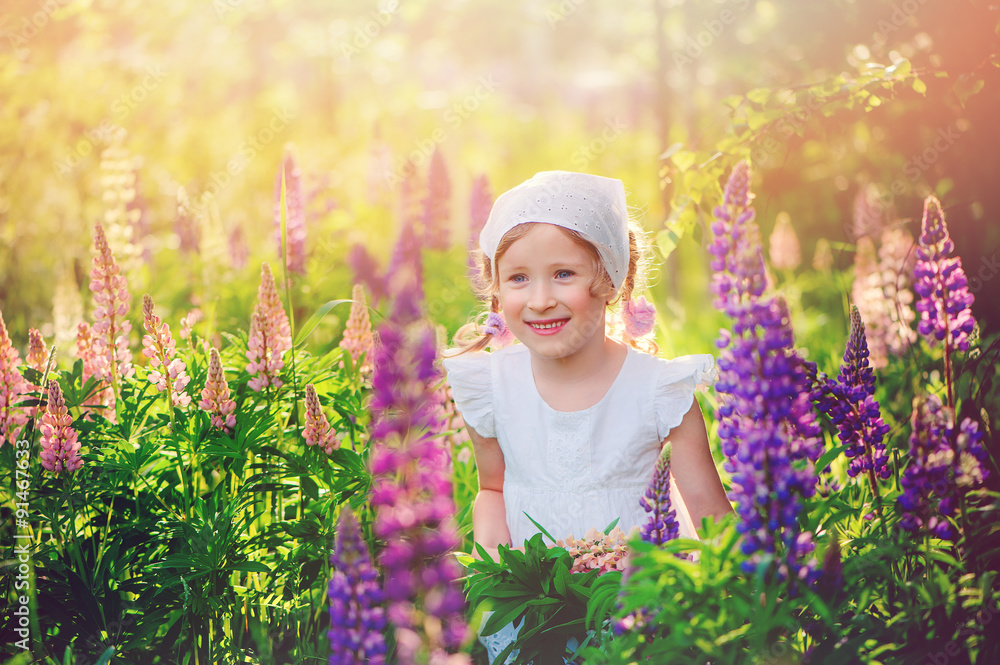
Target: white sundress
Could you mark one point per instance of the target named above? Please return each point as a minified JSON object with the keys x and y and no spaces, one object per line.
{"x":571,"y":471}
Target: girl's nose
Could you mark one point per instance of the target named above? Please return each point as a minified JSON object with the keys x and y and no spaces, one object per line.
{"x":541,"y":298}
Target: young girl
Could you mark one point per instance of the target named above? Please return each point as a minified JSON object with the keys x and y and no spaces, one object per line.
{"x":567,"y":425}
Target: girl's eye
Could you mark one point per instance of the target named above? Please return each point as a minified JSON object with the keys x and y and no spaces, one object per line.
{"x":564,"y":273}
{"x":517,"y":279}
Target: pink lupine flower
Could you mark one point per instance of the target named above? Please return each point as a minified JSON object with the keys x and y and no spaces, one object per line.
{"x":111,"y":297}
{"x":169,"y":372}
{"x":317,"y":431}
{"x":37,"y":358}
{"x":597,"y":551}
{"x":270,"y":335}
{"x":60,"y":447}
{"x":783,"y":245}
{"x":436,"y":216}
{"x":38,"y":354}
{"x":639,"y":316}
{"x":187,"y":323}
{"x":822,"y":256}
{"x":480,"y":204}
{"x":215,"y":395}
{"x":295,"y":216}
{"x":358,"y":338}
{"x":95,"y":365}
{"x":238,"y":250}
{"x":12,"y":389}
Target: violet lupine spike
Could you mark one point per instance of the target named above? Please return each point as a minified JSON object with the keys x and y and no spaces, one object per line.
{"x":661,"y":526}
{"x":13,"y":387}
{"x":412,"y":493}
{"x":738,"y":262}
{"x":358,"y":339}
{"x":944,"y":462}
{"x":766,"y":423}
{"x":317,"y":431}
{"x":945,"y":300}
{"x":856,"y":412}
{"x":168,"y":373}
{"x":357,"y":616}
{"x":366,"y":271}
{"x":295,"y":216}
{"x":436,"y":217}
{"x":60,"y":447}
{"x":215,"y":397}
{"x":270,"y":335}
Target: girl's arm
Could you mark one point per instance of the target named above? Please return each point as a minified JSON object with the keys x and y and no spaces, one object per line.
{"x":694,"y":470}
{"x":489,"y":516}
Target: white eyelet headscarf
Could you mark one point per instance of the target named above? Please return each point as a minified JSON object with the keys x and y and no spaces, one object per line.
{"x":592,"y":205}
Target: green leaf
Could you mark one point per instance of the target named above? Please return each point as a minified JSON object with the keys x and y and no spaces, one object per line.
{"x":684,"y":159}
{"x":314,"y":320}
{"x":829,"y":456}
{"x":967,"y":86}
{"x":919,"y":87}
{"x":671,"y":151}
{"x":900,"y":69}
{"x":503,"y":615}
{"x":250,"y":567}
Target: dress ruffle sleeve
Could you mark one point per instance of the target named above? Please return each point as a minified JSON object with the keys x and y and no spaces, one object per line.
{"x":675,"y":386}
{"x":470,"y":378}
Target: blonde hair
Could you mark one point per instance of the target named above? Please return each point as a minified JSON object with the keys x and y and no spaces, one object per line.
{"x":471,"y":337}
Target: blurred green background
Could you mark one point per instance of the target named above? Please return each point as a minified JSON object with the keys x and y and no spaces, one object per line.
{"x":208,"y":95}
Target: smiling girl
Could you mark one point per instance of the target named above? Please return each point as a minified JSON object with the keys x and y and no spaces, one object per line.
{"x":567,"y":425}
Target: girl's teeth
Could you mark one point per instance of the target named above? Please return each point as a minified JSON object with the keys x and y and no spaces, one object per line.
{"x":545,"y":326}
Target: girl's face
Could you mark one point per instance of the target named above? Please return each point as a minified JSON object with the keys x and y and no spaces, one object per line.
{"x":545,"y":280}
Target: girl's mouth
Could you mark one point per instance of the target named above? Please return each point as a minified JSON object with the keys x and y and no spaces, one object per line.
{"x":548,"y":327}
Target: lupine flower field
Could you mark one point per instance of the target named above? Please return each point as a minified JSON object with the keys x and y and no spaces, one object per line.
{"x":235,"y":242}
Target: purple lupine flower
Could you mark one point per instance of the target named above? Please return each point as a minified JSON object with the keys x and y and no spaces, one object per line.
{"x":945,"y":300}
{"x":856,"y":412}
{"x":661,"y":525}
{"x":412,"y":492}
{"x":480,"y":204}
{"x":13,"y":387}
{"x":944,"y":461}
{"x":357,"y":617}
{"x":366,"y":271}
{"x":295,"y":216}
{"x":766,"y":424}
{"x":111,"y":327}
{"x":436,"y":215}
